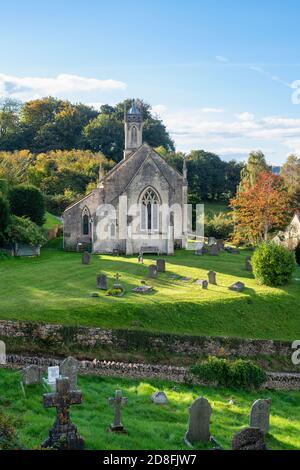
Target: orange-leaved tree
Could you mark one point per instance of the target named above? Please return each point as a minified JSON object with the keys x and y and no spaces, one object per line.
{"x":261,"y":209}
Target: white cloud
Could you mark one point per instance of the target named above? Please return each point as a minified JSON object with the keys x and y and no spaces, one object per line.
{"x":212,"y":110}
{"x":159,"y":109}
{"x":245,"y":116}
{"x":33,"y":87}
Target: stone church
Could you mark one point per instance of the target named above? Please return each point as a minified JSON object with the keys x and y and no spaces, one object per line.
{"x":138,"y":206}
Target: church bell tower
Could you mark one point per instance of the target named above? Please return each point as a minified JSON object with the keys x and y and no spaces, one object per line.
{"x":133,"y":123}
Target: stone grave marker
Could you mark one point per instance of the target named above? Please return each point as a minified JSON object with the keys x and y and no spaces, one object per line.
{"x":69,"y":368}
{"x":249,"y":439}
{"x":117,"y":401}
{"x":152,"y":271}
{"x":2,"y":352}
{"x":214,"y":250}
{"x":220,"y":244}
{"x":237,"y":286}
{"x":159,"y":398}
{"x":260,"y":415}
{"x":248,"y":264}
{"x":161,"y":265}
{"x":63,"y":435}
{"x":144,"y":289}
{"x":53,"y":375}
{"x":202,"y":282}
{"x":199,"y":252}
{"x":212,"y":277}
{"x":85,"y":257}
{"x":32,"y":375}
{"x":101,"y":281}
{"x":199,"y":421}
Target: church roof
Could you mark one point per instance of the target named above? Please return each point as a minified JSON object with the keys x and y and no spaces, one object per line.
{"x":122,"y":174}
{"x":134,"y":109}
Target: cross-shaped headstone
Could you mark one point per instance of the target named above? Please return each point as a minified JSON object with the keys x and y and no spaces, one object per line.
{"x":63,"y":434}
{"x":117,"y":277}
{"x":117,"y":401}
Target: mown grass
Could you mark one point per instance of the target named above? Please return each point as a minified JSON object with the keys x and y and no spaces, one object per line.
{"x":149,"y":426}
{"x":57,"y":288}
{"x":51,"y":221}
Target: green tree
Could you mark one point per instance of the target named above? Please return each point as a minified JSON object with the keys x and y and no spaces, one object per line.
{"x":206,"y":176}
{"x":27,"y":201}
{"x":255,"y":165}
{"x":105,"y":134}
{"x":10,"y":134}
{"x":290,"y":172}
{"x":4,"y":215}
{"x":23,"y":230}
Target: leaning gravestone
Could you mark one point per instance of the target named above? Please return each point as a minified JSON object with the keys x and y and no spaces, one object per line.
{"x":260,"y":415}
{"x":63,"y":435}
{"x":202,"y":282}
{"x":69,"y":368}
{"x":159,"y":398}
{"x":152,"y":273}
{"x":199,"y":421}
{"x":161,"y":265}
{"x":249,"y":439}
{"x":101,"y":281}
{"x":212,"y":277}
{"x":237,"y":286}
{"x":32,"y":375}
{"x":85,"y":257}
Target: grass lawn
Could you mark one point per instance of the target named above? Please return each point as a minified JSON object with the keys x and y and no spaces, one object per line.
{"x":149,"y":426}
{"x":51,"y":221}
{"x":56,"y":288}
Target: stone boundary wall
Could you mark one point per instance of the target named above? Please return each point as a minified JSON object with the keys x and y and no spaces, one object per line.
{"x":275,"y":381}
{"x":127,"y":340}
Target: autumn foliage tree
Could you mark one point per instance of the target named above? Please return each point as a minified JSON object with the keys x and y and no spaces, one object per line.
{"x":261,"y":209}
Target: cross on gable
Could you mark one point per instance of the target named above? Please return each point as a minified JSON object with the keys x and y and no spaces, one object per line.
{"x":62,"y":399}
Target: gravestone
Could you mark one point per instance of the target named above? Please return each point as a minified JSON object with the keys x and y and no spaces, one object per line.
{"x":53,"y":375}
{"x":32,"y":375}
{"x":117,"y":401}
{"x":248,"y":264}
{"x":152,"y":271}
{"x":159,"y":398}
{"x":237,"y":286}
{"x":202,"y":282}
{"x":220,"y":244}
{"x":161,"y":265}
{"x":199,"y":421}
{"x":101,"y":281}
{"x":69,"y":368}
{"x":249,"y":439}
{"x":2,"y":352}
{"x":142,"y":289}
{"x":199,"y":252}
{"x":260,"y":415}
{"x":214,"y":250}
{"x":85,"y":257}
{"x":212,"y":277}
{"x":63,"y":435}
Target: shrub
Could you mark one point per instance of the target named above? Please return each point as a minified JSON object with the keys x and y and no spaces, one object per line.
{"x":297,"y":254}
{"x":27,"y":201}
{"x":273,"y":265}
{"x":8,"y":439}
{"x":4,"y":215}
{"x":219,"y":226}
{"x":22,"y":230}
{"x":239,"y":373}
{"x":3,"y":186}
{"x":59,"y":202}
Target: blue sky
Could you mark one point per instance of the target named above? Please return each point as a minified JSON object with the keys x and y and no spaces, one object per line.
{"x":221,"y":73}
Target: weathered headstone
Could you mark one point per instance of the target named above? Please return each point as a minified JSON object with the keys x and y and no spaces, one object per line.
{"x":199,"y":252}
{"x":53,"y":375}
{"x":248,"y":264}
{"x":2,"y":352}
{"x":101,"y":281}
{"x":63,"y":435}
{"x":212,"y":277}
{"x":152,"y":271}
{"x":159,"y":398}
{"x":237,"y":286}
{"x":161,"y":265}
{"x":214,"y":250}
{"x":69,"y":368}
{"x":199,"y":421}
{"x":249,"y":439}
{"x":202,"y":282}
{"x":117,"y":401}
{"x":220,"y":244}
{"x":32,"y":374}
{"x":260,"y":415}
{"x":85,"y":257}
{"x":144,"y":289}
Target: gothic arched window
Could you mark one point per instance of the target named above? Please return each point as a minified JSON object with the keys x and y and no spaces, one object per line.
{"x":149,"y":210}
{"x":134,"y":136}
{"x":85,"y":217}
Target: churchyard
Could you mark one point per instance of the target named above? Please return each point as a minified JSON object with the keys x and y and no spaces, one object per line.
{"x":147,"y":425}
{"x":57,"y":288}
